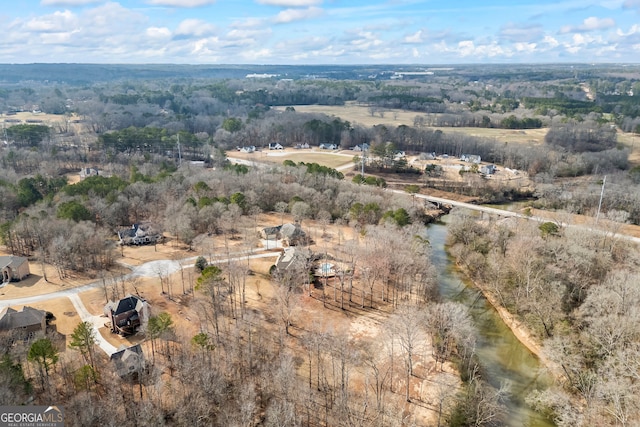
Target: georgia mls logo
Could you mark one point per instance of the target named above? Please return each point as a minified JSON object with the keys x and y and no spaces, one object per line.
{"x":31,"y":416}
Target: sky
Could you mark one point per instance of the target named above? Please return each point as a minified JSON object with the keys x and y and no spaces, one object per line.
{"x":314,"y":32}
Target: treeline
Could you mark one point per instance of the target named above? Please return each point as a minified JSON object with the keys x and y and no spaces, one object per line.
{"x":574,"y":289}
{"x":563,"y":105}
{"x":185,"y":203}
{"x":582,"y":137}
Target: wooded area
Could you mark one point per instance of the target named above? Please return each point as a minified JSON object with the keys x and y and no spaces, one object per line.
{"x":154,"y":150}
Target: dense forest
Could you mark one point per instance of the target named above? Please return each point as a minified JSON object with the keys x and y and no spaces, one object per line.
{"x":160,"y":136}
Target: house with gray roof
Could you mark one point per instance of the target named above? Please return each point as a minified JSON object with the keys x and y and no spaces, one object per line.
{"x":25,"y":323}
{"x":13,"y":268}
{"x":292,"y":235}
{"x":128,"y":361}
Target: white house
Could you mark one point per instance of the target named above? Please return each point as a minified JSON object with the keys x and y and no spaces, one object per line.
{"x":275,"y":146}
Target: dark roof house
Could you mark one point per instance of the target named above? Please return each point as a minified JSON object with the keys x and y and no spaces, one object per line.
{"x":26,"y":322}
{"x":292,"y":235}
{"x":127,"y":315}
{"x":270,"y":232}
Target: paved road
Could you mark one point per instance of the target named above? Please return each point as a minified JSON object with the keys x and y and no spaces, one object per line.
{"x":505,"y":213}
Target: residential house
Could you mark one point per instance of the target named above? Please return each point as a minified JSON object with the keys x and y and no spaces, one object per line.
{"x":87,"y":172}
{"x":128,"y":361}
{"x":13,"y":268}
{"x":275,"y":146}
{"x":26,"y":323}
{"x":139,"y":234}
{"x":249,"y":149}
{"x":270,"y":233}
{"x":488,"y":169}
{"x":361,"y":147}
{"x":286,"y":259}
{"x":302,"y":146}
{"x":293,"y":259}
{"x":471,"y":158}
{"x":292,"y":235}
{"x":327,"y":146}
{"x":127,"y":315}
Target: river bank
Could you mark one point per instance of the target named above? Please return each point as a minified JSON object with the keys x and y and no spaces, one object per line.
{"x":519,"y":330}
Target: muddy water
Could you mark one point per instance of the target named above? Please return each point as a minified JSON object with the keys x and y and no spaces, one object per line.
{"x":502,"y":357}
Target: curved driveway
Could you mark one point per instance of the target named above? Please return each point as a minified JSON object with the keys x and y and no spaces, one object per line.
{"x":148,"y":269}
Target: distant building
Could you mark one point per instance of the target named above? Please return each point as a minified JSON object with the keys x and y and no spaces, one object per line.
{"x":488,"y":169}
{"x":275,"y":146}
{"x":290,"y":234}
{"x":327,"y":146}
{"x":139,"y":234}
{"x":87,"y":172}
{"x":13,"y":268}
{"x":471,"y":158}
{"x":361,"y":147}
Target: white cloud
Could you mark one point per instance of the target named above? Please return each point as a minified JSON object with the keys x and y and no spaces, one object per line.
{"x":181,"y":3}
{"x":551,"y":42}
{"x":468,"y":48}
{"x":243,"y":34}
{"x":291,"y":15}
{"x":68,"y":3}
{"x":590,"y":24}
{"x":365,"y":40}
{"x":520,"y":33}
{"x":635,"y":28}
{"x":525,"y":47}
{"x":158,"y":32}
{"x":414,"y":38}
{"x":56,"y":22}
{"x":290,"y":3}
{"x":631,"y":4}
{"x":194,"y":27}
{"x":256,"y":54}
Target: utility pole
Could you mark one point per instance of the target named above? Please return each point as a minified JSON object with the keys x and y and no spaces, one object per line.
{"x":179,"y":153}
{"x":601,"y":195}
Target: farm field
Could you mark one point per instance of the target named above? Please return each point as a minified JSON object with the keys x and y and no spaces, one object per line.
{"x":359,"y":114}
{"x":330,"y":159}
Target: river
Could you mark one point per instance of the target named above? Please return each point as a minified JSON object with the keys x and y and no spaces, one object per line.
{"x":503,"y":359}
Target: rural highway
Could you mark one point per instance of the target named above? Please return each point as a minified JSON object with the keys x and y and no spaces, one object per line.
{"x":505,"y":213}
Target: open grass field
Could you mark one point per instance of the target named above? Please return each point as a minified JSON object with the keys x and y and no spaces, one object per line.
{"x":329,"y":159}
{"x":360,"y":114}
{"x":34,"y":118}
